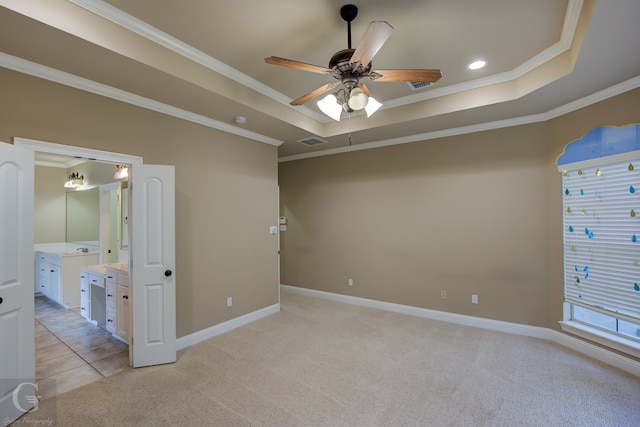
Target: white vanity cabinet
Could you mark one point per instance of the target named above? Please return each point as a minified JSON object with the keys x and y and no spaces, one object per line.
{"x":120,"y":308}
{"x":85,"y":296}
{"x":58,"y":275}
{"x":92,"y":294}
{"x":48,"y":275}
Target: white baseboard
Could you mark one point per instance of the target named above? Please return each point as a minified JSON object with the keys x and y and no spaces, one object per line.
{"x":584,"y":347}
{"x":221,"y":328}
{"x":596,"y":352}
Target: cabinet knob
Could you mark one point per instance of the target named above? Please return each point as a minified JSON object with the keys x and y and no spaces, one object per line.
{"x":110,"y":296}
{"x":109,"y":320}
{"x":82,"y":290}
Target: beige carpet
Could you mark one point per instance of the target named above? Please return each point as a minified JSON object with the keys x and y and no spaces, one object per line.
{"x":322,"y":363}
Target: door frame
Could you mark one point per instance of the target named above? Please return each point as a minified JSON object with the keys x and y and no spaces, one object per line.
{"x":88,"y":154}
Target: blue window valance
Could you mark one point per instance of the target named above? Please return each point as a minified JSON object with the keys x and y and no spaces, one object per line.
{"x":601,"y":142}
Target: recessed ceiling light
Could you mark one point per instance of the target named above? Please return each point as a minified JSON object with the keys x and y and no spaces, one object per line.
{"x":476,"y":65}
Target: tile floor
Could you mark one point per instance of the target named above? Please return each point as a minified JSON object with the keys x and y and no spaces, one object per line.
{"x":72,"y":352}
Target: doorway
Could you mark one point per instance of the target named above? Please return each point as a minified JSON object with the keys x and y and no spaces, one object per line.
{"x":76,"y":341}
{"x":152,"y":282}
{"x":151,"y":242}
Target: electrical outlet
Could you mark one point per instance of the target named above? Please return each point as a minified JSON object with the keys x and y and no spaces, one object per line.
{"x":350,"y":282}
{"x":229,"y":302}
{"x":443,"y":294}
{"x":474,"y":299}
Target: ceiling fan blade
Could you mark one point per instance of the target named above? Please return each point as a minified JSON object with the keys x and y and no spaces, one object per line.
{"x":430,"y":76}
{"x":289,"y":63}
{"x":314,"y":93}
{"x":374,"y":37}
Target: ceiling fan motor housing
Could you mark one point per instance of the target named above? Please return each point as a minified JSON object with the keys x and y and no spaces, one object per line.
{"x":340,"y":62}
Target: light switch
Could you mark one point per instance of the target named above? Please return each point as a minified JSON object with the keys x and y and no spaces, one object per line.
{"x":283,"y":220}
{"x":283,"y":228}
{"x":273,"y":229}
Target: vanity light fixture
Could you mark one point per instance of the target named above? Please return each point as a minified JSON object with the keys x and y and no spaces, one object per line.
{"x":122,"y":172}
{"x":75,"y":181}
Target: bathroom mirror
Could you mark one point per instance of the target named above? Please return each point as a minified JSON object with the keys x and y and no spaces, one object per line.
{"x":83,"y":216}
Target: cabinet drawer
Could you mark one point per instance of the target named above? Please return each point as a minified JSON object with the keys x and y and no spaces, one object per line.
{"x":112,"y":295}
{"x":111,"y":320}
{"x":112,"y":277}
{"x":96,"y":280}
{"x":84,"y":308}
{"x":49,"y":258}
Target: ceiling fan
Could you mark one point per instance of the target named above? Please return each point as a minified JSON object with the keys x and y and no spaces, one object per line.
{"x":348,"y":66}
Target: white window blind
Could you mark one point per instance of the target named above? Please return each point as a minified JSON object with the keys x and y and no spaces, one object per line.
{"x":601,"y":205}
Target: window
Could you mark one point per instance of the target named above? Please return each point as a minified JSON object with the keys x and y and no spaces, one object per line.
{"x":601,"y":221}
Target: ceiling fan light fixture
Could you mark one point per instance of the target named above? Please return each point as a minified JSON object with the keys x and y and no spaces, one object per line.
{"x":372,"y":106}
{"x":357,"y":99}
{"x":330,"y":106}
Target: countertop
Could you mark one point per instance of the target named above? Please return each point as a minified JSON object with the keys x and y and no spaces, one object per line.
{"x":66,"y":249}
{"x":102,"y":268}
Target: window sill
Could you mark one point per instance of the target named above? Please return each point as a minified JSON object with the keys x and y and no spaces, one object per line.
{"x":619,"y":343}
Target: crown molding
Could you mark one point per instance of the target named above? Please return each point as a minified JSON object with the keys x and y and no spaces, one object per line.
{"x":566,"y":39}
{"x":71,"y":80}
{"x":481,"y":127}
{"x":141,"y":28}
{"x":137,"y":26}
{"x":47,"y":73}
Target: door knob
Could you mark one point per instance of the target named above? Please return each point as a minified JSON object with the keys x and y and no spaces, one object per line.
{"x":1,"y":300}
{"x":168,"y":273}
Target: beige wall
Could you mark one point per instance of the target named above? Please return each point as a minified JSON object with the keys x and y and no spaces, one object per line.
{"x":226,"y":190}
{"x":472,"y":214}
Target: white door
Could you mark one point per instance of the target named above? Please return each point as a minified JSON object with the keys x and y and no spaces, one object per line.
{"x":152,"y":196}
{"x":17,"y":353}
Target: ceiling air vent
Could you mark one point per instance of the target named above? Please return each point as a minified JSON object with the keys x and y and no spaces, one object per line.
{"x":313,"y":141}
{"x":418,"y":85}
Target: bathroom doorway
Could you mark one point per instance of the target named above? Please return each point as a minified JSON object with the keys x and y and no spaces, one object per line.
{"x":151,"y":241}
{"x":72,"y":347}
